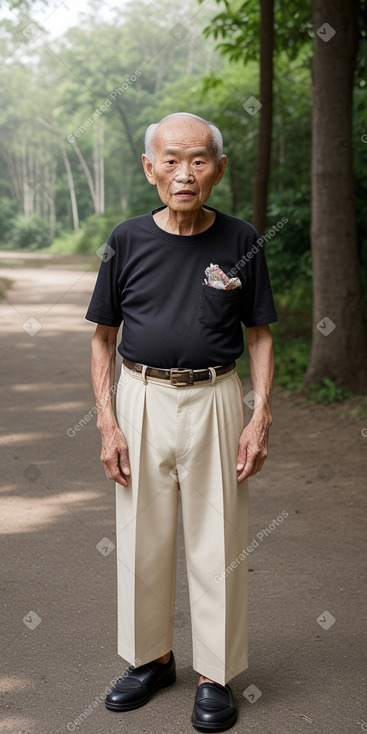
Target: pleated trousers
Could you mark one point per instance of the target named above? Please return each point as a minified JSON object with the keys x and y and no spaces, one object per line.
{"x":182,"y":439}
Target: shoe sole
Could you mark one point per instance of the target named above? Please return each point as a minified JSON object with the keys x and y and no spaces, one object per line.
{"x":138,"y":704}
{"x":201,"y":726}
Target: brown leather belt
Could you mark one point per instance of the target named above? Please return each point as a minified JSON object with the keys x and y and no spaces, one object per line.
{"x":179,"y":376}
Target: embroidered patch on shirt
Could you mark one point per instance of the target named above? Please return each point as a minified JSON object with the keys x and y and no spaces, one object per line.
{"x":216,"y":278}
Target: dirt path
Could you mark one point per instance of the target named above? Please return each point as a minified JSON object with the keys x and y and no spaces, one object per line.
{"x":59,"y":616}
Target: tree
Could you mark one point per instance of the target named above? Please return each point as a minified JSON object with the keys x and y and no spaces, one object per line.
{"x":339,"y":349}
{"x":252,"y":29}
{"x":262,"y":171}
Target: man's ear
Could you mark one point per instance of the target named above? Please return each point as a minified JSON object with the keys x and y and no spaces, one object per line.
{"x":220,"y":169}
{"x":148,"y":169}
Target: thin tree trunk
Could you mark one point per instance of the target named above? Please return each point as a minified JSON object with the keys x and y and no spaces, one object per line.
{"x":98,"y":164}
{"x":339,"y":349}
{"x":101,"y":167}
{"x":129,"y":135}
{"x":50,"y":180}
{"x":28,"y":190}
{"x":190,"y":55}
{"x":16,"y":184}
{"x":262,"y":171}
{"x":101,"y":186}
{"x":74,"y":207}
{"x":88,"y":174}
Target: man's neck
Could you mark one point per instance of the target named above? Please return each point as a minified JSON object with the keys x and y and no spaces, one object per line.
{"x":183,"y":223}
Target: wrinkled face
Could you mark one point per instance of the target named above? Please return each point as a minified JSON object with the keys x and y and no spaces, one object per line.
{"x":184,"y":168}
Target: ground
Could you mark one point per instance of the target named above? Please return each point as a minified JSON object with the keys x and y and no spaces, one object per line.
{"x":307,"y":589}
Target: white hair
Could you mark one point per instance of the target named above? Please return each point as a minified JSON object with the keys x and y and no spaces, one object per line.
{"x":216,"y":135}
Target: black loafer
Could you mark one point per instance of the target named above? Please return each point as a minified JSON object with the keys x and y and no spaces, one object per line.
{"x":137,"y":685}
{"x":214,"y":708}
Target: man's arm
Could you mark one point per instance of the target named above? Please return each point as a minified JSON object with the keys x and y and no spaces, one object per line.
{"x":114,"y":455}
{"x":253,"y":442}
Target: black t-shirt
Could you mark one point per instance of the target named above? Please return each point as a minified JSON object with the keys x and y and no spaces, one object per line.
{"x":153,"y":281}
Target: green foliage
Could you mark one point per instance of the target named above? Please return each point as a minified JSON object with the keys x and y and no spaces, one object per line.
{"x":291,"y":337}
{"x":294,"y":309}
{"x":66,"y":244}
{"x":93,"y":233}
{"x":239,"y":27}
{"x":8,"y":210}
{"x":96,"y":230}
{"x":288,"y":252}
{"x":292,"y":334}
{"x":291,"y":360}
{"x":30,"y":234}
{"x":327,"y":391}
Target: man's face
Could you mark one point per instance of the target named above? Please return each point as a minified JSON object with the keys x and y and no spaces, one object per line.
{"x":184,"y":168}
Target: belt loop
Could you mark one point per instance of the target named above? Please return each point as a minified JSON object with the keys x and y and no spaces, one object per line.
{"x":213,"y":375}
{"x":143,"y":371}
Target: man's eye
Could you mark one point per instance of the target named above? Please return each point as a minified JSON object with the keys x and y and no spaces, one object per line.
{"x":171,"y":163}
{"x":198,"y":163}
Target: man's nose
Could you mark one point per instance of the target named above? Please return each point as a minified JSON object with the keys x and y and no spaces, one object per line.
{"x":183,"y":173}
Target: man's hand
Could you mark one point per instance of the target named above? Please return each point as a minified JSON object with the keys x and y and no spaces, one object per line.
{"x":252,"y":449}
{"x":115,"y":455}
{"x":253,"y":442}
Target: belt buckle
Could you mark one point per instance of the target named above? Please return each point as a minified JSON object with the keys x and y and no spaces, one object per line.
{"x":181,"y":376}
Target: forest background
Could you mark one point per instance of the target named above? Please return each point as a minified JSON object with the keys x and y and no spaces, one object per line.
{"x":76,"y":105}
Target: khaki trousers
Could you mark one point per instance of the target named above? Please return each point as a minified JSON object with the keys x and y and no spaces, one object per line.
{"x":182,"y":439}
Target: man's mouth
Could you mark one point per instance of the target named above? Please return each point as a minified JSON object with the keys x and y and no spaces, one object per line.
{"x":185,"y":194}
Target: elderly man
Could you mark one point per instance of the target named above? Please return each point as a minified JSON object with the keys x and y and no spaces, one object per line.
{"x":182,"y":279}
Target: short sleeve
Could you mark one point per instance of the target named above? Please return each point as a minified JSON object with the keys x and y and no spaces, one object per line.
{"x":105,"y":304}
{"x":257,"y":299}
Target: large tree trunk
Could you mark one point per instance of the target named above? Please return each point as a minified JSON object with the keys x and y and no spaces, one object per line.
{"x":339,"y":349}
{"x":262,"y":170}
